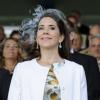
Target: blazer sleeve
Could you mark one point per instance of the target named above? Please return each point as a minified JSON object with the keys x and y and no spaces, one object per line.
{"x":83,"y":89}
{"x":15,"y":87}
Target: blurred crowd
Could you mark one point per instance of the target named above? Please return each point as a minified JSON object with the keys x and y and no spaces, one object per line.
{"x":84,"y":41}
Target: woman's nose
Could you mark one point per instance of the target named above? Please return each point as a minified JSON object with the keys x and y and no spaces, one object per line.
{"x":12,"y":47}
{"x":46,"y":31}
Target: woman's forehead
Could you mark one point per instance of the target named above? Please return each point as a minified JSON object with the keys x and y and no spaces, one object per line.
{"x":10,"y":41}
{"x":47,"y":21}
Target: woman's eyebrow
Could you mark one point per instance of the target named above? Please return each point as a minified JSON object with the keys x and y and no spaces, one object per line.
{"x":44,"y":25}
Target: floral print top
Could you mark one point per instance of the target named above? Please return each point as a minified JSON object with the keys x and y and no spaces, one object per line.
{"x":52,"y":88}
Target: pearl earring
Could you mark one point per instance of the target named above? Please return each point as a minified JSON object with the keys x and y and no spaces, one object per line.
{"x":60,"y":46}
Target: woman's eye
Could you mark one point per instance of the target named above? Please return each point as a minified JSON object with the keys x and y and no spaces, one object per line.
{"x":15,"y":46}
{"x":52,"y":28}
{"x":7,"y":46}
{"x":40,"y":28}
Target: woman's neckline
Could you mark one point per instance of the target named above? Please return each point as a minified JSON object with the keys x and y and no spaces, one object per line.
{"x":49,"y":65}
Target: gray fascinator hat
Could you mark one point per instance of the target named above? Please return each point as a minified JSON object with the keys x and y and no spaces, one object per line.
{"x":29,"y":25}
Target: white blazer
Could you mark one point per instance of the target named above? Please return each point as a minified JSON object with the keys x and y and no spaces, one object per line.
{"x":29,"y":79}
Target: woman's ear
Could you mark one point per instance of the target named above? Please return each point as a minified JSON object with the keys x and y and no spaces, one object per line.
{"x":61,"y":38}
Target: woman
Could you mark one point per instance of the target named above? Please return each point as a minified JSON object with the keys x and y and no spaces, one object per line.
{"x":15,"y":34}
{"x":76,"y":41}
{"x":49,"y":76}
{"x":10,"y":57}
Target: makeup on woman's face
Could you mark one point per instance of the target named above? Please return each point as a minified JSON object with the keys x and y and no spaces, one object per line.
{"x":48,"y":34}
{"x":10,"y":49}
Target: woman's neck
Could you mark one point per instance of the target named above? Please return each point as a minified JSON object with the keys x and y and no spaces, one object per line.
{"x":49,"y":57}
{"x":10,"y":64}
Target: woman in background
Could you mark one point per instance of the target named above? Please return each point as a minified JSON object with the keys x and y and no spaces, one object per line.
{"x":10,"y":57}
{"x":15,"y":34}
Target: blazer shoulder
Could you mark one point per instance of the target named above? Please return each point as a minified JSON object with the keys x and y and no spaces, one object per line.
{"x":73,"y":65}
{"x":25,"y":65}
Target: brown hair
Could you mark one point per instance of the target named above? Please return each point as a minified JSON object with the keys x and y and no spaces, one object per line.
{"x":20,"y":58}
{"x":64,"y":51}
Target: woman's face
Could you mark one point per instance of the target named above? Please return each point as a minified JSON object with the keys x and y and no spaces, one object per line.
{"x":48,"y":34}
{"x":10,"y":50}
{"x":76,"y":41}
{"x":16,"y":36}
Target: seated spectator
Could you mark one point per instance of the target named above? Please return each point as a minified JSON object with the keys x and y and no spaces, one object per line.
{"x":2,"y":35}
{"x":91,"y":70}
{"x":11,"y":55}
{"x":15,"y":34}
{"x":75,"y":23}
{"x":95,"y":48}
{"x":2,"y":39}
{"x":75,"y":18}
{"x":95,"y":29}
{"x":94,"y":32}
{"x":76,"y":43}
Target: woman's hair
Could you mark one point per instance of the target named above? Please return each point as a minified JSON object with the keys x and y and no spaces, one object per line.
{"x":14,"y":32}
{"x":60,"y":19}
{"x":20,"y":58}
